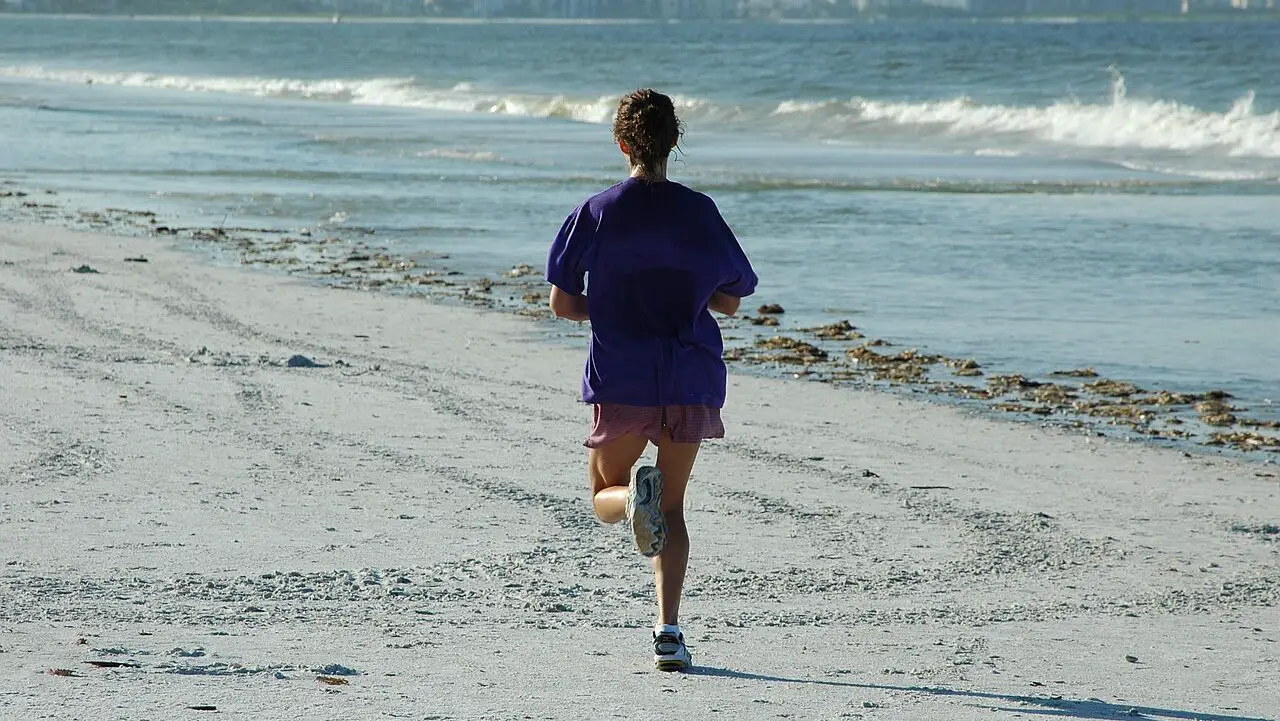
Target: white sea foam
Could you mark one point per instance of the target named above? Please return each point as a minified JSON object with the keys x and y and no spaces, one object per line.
{"x":1149,"y":125}
{"x":460,"y":154}
{"x":1224,"y":176}
{"x":1124,"y":123}
{"x":996,"y":153}
{"x":395,"y":92}
{"x":263,"y":87}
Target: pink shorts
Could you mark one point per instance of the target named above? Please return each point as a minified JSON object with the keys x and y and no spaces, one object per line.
{"x":683,"y":424}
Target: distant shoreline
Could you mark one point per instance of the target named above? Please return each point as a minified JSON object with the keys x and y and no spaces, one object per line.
{"x":1217,"y":17}
{"x":328,"y":19}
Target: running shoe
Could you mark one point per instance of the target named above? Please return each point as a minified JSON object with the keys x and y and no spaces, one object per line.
{"x":644,"y":511}
{"x":669,"y":651}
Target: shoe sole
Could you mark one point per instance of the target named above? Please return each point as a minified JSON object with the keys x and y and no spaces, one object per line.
{"x":647,"y":521}
{"x":674,"y":664}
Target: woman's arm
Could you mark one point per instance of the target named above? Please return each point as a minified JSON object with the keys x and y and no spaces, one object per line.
{"x":722,"y":302}
{"x":569,"y":307}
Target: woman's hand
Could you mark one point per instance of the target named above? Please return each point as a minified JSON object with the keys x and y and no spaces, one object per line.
{"x":724,"y":303}
{"x":569,"y":307}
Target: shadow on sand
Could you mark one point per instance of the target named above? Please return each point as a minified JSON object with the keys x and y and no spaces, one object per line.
{"x":1045,"y":705}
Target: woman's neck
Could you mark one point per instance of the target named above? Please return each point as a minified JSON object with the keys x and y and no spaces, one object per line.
{"x":657,"y":174}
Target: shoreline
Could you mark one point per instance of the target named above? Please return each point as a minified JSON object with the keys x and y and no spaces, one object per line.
{"x":327,"y":19}
{"x":398,"y":525}
{"x":838,"y":353}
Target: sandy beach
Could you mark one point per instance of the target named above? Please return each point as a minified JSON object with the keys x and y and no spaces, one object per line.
{"x":396,"y":526}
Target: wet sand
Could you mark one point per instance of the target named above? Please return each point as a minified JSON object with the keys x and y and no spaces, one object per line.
{"x":402,"y":513}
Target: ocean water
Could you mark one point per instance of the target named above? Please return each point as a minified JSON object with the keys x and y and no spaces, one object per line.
{"x":1036,"y":196}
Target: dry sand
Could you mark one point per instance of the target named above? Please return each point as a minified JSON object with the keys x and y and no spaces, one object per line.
{"x":413,"y":521}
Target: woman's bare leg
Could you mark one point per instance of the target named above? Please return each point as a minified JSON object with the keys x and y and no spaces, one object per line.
{"x":609,"y":467}
{"x":675,"y":461}
{"x":610,"y":470}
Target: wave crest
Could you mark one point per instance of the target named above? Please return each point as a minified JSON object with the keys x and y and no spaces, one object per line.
{"x":395,"y":92}
{"x":1124,"y":123}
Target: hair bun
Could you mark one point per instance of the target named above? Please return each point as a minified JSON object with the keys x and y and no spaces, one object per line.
{"x":646,"y":123}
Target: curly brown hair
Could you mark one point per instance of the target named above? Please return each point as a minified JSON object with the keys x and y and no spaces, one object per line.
{"x":647,"y":124}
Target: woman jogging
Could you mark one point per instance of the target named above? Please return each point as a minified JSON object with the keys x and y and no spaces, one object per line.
{"x":645,"y":261}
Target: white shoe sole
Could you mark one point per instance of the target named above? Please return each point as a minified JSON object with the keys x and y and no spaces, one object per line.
{"x":673,"y":662}
{"x":644,"y":508}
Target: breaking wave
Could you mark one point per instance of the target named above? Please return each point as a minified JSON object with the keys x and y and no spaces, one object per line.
{"x":394,"y":92}
{"x":1123,"y":123}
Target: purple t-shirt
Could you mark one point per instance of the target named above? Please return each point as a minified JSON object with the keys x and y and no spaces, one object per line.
{"x":654,"y":254}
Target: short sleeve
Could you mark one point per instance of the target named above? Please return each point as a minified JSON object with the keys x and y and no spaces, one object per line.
{"x":566,"y":268}
{"x":739,"y":277}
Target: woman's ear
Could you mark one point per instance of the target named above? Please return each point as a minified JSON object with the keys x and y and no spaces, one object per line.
{"x":622,"y":145}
